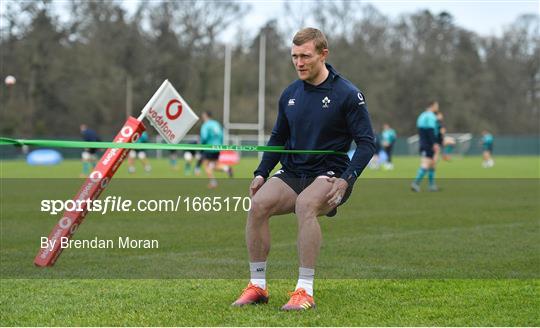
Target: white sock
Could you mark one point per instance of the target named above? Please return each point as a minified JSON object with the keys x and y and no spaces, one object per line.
{"x":258,"y":274}
{"x":305,"y":279}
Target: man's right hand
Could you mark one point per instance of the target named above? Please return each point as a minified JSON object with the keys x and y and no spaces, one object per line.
{"x":256,"y":184}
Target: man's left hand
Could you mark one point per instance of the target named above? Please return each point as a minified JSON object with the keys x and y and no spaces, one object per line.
{"x":339,"y":187}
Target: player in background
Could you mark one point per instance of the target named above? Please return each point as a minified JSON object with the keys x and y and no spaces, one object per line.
{"x":388,"y":137}
{"x":140,"y":154}
{"x":173,"y":159}
{"x":320,"y":110}
{"x":487,"y":149}
{"x":212,"y":134}
{"x":374,"y":163}
{"x":189,"y":157}
{"x":439,"y":137}
{"x":198,"y":164}
{"x":427,"y":131}
{"x":449,"y":143}
{"x":89,"y":155}
{"x":444,"y":143}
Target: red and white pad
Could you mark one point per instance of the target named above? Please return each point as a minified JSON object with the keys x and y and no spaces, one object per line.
{"x":91,"y":189}
{"x":229,"y":157}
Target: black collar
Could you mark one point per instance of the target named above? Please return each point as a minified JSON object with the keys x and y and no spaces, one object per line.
{"x":326,"y":84}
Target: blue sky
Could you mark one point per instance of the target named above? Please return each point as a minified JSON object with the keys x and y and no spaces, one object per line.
{"x":483,"y":17}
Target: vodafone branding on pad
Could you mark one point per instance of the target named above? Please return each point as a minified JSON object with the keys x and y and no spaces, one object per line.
{"x":169,"y":113}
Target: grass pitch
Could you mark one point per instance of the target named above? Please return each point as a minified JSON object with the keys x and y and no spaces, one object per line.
{"x":524,"y":167}
{"x":466,"y":256}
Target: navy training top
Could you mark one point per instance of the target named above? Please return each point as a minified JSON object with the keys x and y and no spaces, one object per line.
{"x":328,"y":116}
{"x":90,"y":135}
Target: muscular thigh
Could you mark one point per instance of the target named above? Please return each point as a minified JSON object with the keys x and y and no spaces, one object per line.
{"x":276,"y":196}
{"x":426,"y":162}
{"x":315,"y":196}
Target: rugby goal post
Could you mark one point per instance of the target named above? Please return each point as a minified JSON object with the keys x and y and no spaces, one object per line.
{"x":227,"y":124}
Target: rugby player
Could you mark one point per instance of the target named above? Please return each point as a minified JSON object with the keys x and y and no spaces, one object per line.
{"x":427,"y":130}
{"x":319,"y":111}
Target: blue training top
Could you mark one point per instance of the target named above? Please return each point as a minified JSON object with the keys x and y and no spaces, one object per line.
{"x":487,"y":139}
{"x":427,"y":128}
{"x":389,"y":136}
{"x":323,"y":117}
{"x":143,"y":138}
{"x":211,"y":133}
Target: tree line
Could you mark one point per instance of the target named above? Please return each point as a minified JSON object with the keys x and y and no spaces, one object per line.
{"x":94,"y":62}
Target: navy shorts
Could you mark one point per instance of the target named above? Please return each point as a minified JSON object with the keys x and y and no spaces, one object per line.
{"x":210,"y":155}
{"x":426,"y":151}
{"x":300,"y":182}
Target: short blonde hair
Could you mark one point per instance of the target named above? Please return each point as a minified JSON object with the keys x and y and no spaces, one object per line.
{"x":311,"y":34}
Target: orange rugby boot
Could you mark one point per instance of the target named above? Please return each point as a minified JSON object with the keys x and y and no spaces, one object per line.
{"x":300,"y":300}
{"x":252,"y":294}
